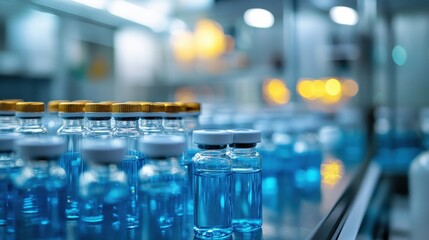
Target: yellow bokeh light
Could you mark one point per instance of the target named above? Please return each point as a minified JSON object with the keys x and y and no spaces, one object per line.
{"x":333,"y":87}
{"x":350,"y":88}
{"x":331,"y":99}
{"x":209,"y":39}
{"x":184,"y":94}
{"x":306,"y":89}
{"x":332,"y":172}
{"x":276,"y":92}
{"x":183,"y":45}
{"x":319,"y":88}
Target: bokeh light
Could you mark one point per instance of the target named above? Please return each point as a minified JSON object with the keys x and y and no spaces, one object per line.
{"x":332,"y":172}
{"x":210,"y":40}
{"x":183,"y":45}
{"x":207,"y":42}
{"x":350,"y":88}
{"x":185,"y":94}
{"x":327,"y":91}
{"x":306,"y":89}
{"x":399,"y":55}
{"x":333,"y":87}
{"x":319,"y":88}
{"x":276,"y":92}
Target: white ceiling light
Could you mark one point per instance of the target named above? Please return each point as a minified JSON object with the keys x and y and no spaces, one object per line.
{"x":138,"y":14}
{"x":99,"y":4}
{"x":259,"y":18}
{"x":343,"y":15}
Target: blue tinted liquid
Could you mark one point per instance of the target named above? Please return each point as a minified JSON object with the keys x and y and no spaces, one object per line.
{"x":353,"y":147}
{"x":131,"y":165}
{"x":72,"y":164}
{"x":162,"y":211}
{"x":103,"y":215}
{"x":308,"y":173}
{"x":247,"y":200}
{"x":212,"y":209}
{"x":188,"y":196}
{"x":7,"y":211}
{"x":270,"y":164}
{"x":189,"y":166}
{"x":283,"y":159}
{"x":4,"y":196}
{"x":40,"y":210}
{"x":190,"y":153}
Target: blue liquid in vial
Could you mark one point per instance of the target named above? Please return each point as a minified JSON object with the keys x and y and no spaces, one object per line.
{"x":189,"y":166}
{"x":131,"y":166}
{"x":40,"y":208}
{"x":72,"y":164}
{"x":188,"y":196}
{"x":247,"y":200}
{"x":308,"y":174}
{"x":162,"y":211}
{"x":190,"y":153}
{"x":103,"y":214}
{"x":213,"y":207}
{"x":7,"y":213}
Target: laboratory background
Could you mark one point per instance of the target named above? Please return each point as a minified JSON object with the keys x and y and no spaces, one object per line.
{"x":214,"y":119}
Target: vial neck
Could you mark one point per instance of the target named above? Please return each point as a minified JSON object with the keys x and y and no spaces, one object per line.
{"x":7,"y":160}
{"x":151,"y":122}
{"x":104,"y":170}
{"x":191,"y":123}
{"x":126,"y":123}
{"x":99,"y":124}
{"x":72,"y":122}
{"x":164,"y":163}
{"x":41,"y":166}
{"x":206,"y":150}
{"x":173,"y":123}
{"x":242,"y":150}
{"x":33,"y":122}
{"x":8,"y":122}
{"x":7,"y":118}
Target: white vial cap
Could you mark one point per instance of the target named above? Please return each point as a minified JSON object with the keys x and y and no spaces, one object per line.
{"x":7,"y":142}
{"x":104,"y":151}
{"x":212,"y":137}
{"x":40,"y":147}
{"x":245,"y":136}
{"x":162,"y":145}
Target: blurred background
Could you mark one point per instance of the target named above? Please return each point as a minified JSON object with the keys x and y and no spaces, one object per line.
{"x":351,"y":70}
{"x":322,"y":53}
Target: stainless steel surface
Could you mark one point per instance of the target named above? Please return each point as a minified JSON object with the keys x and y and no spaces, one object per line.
{"x":356,"y":215}
{"x":290,"y":213}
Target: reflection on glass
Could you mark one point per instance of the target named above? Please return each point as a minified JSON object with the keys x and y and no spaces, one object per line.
{"x":254,"y":235}
{"x":331,"y":171}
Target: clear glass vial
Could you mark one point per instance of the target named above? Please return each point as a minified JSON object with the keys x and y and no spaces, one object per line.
{"x":213,"y":184}
{"x":29,"y":115}
{"x":9,"y":166}
{"x":162,"y":185}
{"x":51,"y":119}
{"x":40,"y":189}
{"x":126,"y":127}
{"x":103,"y":191}
{"x":72,"y":131}
{"x":151,"y":120}
{"x":8,"y":121}
{"x":246,"y":180}
{"x":98,"y":116}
